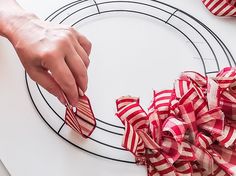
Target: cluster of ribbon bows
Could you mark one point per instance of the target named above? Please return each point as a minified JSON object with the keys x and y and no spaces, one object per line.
{"x":221,"y":7}
{"x":188,"y":130}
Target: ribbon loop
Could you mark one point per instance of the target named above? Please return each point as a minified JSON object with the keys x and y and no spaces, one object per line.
{"x":81,"y":120}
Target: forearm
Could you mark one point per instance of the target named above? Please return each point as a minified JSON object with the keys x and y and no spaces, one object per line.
{"x":12,"y":16}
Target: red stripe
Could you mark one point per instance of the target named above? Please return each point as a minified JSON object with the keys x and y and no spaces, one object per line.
{"x":133,"y":141}
{"x":205,"y":140}
{"x":229,"y":135}
{"x":127,"y":134}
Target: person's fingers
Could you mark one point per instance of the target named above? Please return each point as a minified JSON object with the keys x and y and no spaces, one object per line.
{"x":65,"y":79}
{"x":81,"y":52}
{"x":78,"y":69}
{"x":79,"y":49}
{"x":43,"y":78}
{"x":84,"y":42}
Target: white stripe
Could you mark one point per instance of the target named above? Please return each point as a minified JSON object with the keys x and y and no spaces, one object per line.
{"x":221,"y":173}
{"x":154,"y":160}
{"x":186,"y":153}
{"x":229,"y":96}
{"x":183,"y":167}
{"x":209,"y":140}
{"x":202,"y":142}
{"x":185,"y":86}
{"x":163,"y":166}
{"x":163,"y":108}
{"x":161,"y":101}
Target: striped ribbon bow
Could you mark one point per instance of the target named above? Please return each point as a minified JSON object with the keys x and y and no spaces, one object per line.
{"x":81,"y":118}
{"x":188,"y":130}
{"x":221,"y":7}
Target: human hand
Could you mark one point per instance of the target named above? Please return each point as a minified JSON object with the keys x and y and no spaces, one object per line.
{"x":55,"y":56}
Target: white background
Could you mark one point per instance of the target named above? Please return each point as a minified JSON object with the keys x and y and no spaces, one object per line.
{"x":27,"y":146}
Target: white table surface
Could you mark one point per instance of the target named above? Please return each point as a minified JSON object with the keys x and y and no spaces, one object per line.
{"x":27,"y":146}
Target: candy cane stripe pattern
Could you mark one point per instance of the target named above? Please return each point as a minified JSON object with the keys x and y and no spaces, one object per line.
{"x":184,"y":168}
{"x":71,"y":121}
{"x":132,"y":113}
{"x":221,"y":7}
{"x":176,"y":127}
{"x":132,"y":141}
{"x":123,"y":101}
{"x":82,"y":120}
{"x":203,"y":140}
{"x":187,"y":153}
{"x":228,"y":137}
{"x":189,"y":130}
{"x":161,"y":102}
{"x":181,"y":87}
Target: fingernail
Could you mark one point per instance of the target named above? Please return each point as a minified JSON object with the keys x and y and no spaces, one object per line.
{"x":81,"y":93}
{"x":75,"y":104}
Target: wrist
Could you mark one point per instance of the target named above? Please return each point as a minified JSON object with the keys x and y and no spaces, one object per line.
{"x":11,"y":21}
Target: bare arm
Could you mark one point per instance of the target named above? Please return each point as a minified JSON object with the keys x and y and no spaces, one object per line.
{"x":55,"y":56}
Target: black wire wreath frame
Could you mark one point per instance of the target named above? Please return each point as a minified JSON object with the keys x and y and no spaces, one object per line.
{"x":99,"y":11}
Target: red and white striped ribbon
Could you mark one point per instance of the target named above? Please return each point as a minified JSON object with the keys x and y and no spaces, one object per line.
{"x":187,"y":153}
{"x":224,"y":158}
{"x":178,"y":135}
{"x":203,"y":140}
{"x":175,"y":127}
{"x":204,"y":160}
{"x":183,"y":168}
{"x":161,"y":103}
{"x":132,"y":141}
{"x":81,"y":120}
{"x":228,"y":137}
{"x":221,"y":7}
{"x":155,"y":127}
{"x":188,"y":115}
